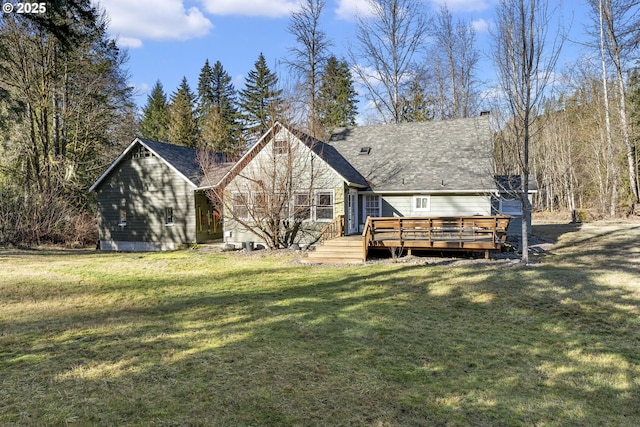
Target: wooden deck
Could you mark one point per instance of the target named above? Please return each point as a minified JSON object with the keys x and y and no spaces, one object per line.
{"x":462,"y":234}
{"x":465,"y":233}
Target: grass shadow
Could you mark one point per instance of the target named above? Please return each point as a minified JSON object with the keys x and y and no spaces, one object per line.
{"x":217,"y":341}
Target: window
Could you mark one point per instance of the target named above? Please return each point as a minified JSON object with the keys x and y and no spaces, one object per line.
{"x":280,"y":147}
{"x":324,"y":206}
{"x":123,"y":217}
{"x":422,"y":203}
{"x":168,"y":216}
{"x":511,"y":207}
{"x":141,"y":152}
{"x":302,"y":206}
{"x":260,"y":203}
{"x":239,"y":205}
{"x":280,"y":204}
{"x":371,"y":206}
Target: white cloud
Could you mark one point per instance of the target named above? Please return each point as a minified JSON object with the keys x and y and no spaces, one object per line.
{"x":130,"y":42}
{"x":480,"y":25}
{"x":133,"y":21}
{"x":466,"y":5}
{"x":349,"y":10}
{"x":268,"y":8}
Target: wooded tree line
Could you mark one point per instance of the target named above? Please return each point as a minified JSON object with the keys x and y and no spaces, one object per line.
{"x":584,"y":134}
{"x":66,"y":109}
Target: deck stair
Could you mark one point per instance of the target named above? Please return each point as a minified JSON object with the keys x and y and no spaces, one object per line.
{"x":341,"y":250}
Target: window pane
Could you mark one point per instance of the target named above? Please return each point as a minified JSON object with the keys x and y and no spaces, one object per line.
{"x":324,"y":199}
{"x":301,"y":207}
{"x":422,"y":203}
{"x":371,"y":206}
{"x":280,"y":146}
{"x":240,"y":209}
{"x":324,"y":206}
{"x":168,"y":216}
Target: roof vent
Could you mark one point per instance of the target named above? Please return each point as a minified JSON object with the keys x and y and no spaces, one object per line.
{"x":365,"y":150}
{"x":485,"y":113}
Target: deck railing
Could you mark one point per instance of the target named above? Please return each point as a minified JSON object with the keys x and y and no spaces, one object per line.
{"x":333,"y":230}
{"x":466,"y":233}
{"x":367,"y":237}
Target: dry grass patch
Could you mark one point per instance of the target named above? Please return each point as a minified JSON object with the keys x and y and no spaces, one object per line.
{"x":187,"y":338}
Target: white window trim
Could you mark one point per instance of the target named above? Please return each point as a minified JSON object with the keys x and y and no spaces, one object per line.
{"x":315,"y":206}
{"x":286,"y":143}
{"x":246,"y":206}
{"x":364,"y":205}
{"x":421,"y":196}
{"x":309,"y":205}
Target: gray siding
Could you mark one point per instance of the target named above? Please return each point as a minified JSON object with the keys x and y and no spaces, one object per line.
{"x":440,"y":205}
{"x":145,"y":187}
{"x":306,"y":171}
{"x":515,"y":225}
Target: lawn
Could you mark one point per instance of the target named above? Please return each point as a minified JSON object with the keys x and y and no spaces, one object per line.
{"x":193,"y":338}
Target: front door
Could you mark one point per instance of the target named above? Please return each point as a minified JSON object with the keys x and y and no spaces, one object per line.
{"x":352,"y":213}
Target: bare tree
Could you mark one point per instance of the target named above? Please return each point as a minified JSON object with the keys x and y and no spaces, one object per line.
{"x":309,"y":56}
{"x":525,"y":69}
{"x":607,"y":114}
{"x":389,"y":43}
{"x":617,"y":25}
{"x":455,"y":59}
{"x":278,"y":191}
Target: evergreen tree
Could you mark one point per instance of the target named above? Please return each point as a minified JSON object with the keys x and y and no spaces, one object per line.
{"x":260,"y":100}
{"x":156,"y":115}
{"x":183,"y":128}
{"x":218,"y":114}
{"x":337,"y":97}
{"x":205,"y":90}
{"x":416,"y":104}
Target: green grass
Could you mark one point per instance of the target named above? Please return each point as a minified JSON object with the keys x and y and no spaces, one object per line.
{"x":188,"y":338}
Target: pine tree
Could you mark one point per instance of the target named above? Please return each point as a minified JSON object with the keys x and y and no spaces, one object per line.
{"x":337,"y":98}
{"x":218,"y":116}
{"x":260,"y":100}
{"x":416,"y":104}
{"x":205,"y":90}
{"x":183,"y":128}
{"x":156,"y":115}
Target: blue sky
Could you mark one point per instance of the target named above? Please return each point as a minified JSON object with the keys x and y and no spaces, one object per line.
{"x":169,"y":39}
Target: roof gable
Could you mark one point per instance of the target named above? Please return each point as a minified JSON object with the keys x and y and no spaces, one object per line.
{"x":453,"y":155}
{"x":182,"y":160}
{"x":332,"y":158}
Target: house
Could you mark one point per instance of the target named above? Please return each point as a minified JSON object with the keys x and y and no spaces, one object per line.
{"x":438,"y":168}
{"x":285,"y":189}
{"x":152,"y":197}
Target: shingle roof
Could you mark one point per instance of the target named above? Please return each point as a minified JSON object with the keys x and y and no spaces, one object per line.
{"x":513,"y":183}
{"x":184,"y":159}
{"x":333,"y":158}
{"x":452,"y":155}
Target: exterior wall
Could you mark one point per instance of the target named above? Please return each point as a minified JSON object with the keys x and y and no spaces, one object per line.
{"x":144,"y":187}
{"x":402,"y":205}
{"x":304,"y":171}
{"x":515,"y":225}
